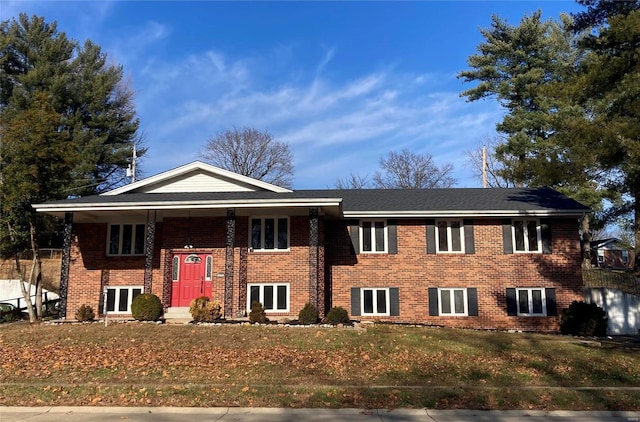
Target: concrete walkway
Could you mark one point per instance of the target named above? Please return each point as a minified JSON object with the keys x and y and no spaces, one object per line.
{"x":245,"y":414}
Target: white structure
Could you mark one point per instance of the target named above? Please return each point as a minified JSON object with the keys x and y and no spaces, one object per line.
{"x":623,"y":309}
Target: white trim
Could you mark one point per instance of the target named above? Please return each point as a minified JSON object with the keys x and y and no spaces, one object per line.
{"x":525,"y":234}
{"x":120,"y":238}
{"x":196,"y":165}
{"x":373,"y":237}
{"x":208,"y":268}
{"x":275,"y":234}
{"x":453,"y":312}
{"x":450,"y":237}
{"x":375,"y":302}
{"x":529,"y":290}
{"x":275,"y":296}
{"x":175,"y":205}
{"x":116,"y":300}
{"x":464,"y":213}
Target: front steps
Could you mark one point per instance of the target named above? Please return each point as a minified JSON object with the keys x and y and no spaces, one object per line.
{"x":177,"y":315}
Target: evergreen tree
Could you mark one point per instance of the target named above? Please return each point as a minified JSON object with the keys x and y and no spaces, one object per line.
{"x":67,"y":127}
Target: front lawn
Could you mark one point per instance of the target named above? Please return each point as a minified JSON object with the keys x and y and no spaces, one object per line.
{"x":381,"y":366}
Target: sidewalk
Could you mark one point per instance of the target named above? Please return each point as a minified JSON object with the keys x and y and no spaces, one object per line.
{"x":246,"y":414}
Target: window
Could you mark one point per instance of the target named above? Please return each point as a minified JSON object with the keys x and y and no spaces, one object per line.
{"x":373,"y":236}
{"x":209,"y":268}
{"x":274,"y":297}
{"x":375,"y":301}
{"x":453,"y":301}
{"x":526,"y":236}
{"x":601,"y":256}
{"x":531,"y":302}
{"x":175,"y":268}
{"x":625,"y":256}
{"x":126,"y":239}
{"x":119,"y":299}
{"x":449,"y":236}
{"x":270,"y":233}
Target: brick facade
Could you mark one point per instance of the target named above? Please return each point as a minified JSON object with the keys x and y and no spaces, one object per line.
{"x":337,"y":269}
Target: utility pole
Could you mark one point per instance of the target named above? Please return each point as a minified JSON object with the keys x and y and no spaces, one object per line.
{"x":131,"y":169}
{"x":484,"y":166}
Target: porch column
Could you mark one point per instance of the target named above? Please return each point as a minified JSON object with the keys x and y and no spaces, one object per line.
{"x":228,"y":262}
{"x":313,"y":257}
{"x":149,"y":247}
{"x":66,"y":259}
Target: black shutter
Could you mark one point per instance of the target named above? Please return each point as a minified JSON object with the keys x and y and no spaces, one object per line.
{"x":354,"y":232}
{"x":506,"y":236}
{"x":550,"y":295}
{"x":392,"y":229}
{"x":355,"y":301}
{"x":472,"y":296}
{"x":431,"y":237}
{"x":545,"y":229}
{"x":512,"y":304}
{"x":433,"y":301}
{"x":394,"y":301}
{"x":469,"y":246}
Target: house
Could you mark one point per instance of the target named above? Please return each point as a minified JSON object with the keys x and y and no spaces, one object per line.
{"x":611,"y":253}
{"x":482,"y":258}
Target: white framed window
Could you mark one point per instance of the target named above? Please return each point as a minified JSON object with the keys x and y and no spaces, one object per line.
{"x":625,"y":256}
{"x":449,"y":236}
{"x":375,"y":301}
{"x":175,"y":268}
{"x":126,"y":239}
{"x":269,"y":233}
{"x":119,"y":298}
{"x":374,"y":236}
{"x":453,"y":302}
{"x":531,"y":302}
{"x":526,"y":236}
{"x":601,"y":256}
{"x":273,"y":296}
{"x":208,"y":273}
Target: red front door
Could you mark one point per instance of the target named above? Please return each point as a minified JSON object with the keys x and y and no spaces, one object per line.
{"x":191,"y":279}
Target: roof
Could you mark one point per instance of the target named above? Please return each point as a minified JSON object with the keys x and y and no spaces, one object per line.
{"x":612,"y":243}
{"x":354,"y":203}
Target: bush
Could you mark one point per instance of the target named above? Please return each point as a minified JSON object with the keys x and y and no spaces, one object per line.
{"x":203,"y":309}
{"x":85,"y":313}
{"x":146,"y":307}
{"x":338,"y":315}
{"x":308,"y":315}
{"x":257,"y":313}
{"x":584,"y":319}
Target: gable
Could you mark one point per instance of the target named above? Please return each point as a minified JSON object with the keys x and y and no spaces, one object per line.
{"x":197,"y":181}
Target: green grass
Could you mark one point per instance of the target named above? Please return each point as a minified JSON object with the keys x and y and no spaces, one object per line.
{"x":380,"y":366}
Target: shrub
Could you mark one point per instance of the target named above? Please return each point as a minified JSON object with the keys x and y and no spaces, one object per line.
{"x":146,"y":307}
{"x":584,"y":319}
{"x":308,"y":315}
{"x":257,"y":313}
{"x":203,"y":309}
{"x":85,"y":313}
{"x":338,"y":315}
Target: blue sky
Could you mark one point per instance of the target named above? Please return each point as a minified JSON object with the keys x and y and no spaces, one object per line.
{"x":343,"y":83}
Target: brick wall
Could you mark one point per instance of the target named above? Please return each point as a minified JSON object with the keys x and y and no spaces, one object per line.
{"x":411,"y":270}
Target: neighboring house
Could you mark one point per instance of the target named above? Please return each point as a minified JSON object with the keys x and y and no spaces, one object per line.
{"x":482,"y":258}
{"x":611,"y":253}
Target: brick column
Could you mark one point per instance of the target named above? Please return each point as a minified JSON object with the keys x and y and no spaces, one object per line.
{"x":228,"y":263}
{"x":66,"y":259}
{"x":148,"y":250}
{"x":313,"y":256}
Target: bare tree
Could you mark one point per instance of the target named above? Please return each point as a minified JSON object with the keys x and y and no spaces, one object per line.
{"x":252,"y":153}
{"x":408,"y":170}
{"x":497,"y":176}
{"x":353,"y":181}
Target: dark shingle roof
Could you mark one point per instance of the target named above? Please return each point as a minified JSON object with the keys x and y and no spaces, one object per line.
{"x":374,"y":200}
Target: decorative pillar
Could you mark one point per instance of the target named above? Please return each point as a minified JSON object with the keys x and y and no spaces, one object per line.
{"x":228,"y":263}
{"x":104,"y":281}
{"x":66,"y":260}
{"x":167,"y":279}
{"x":313,"y":256}
{"x":242,"y":283}
{"x":322,"y":293}
{"x":150,"y":236}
